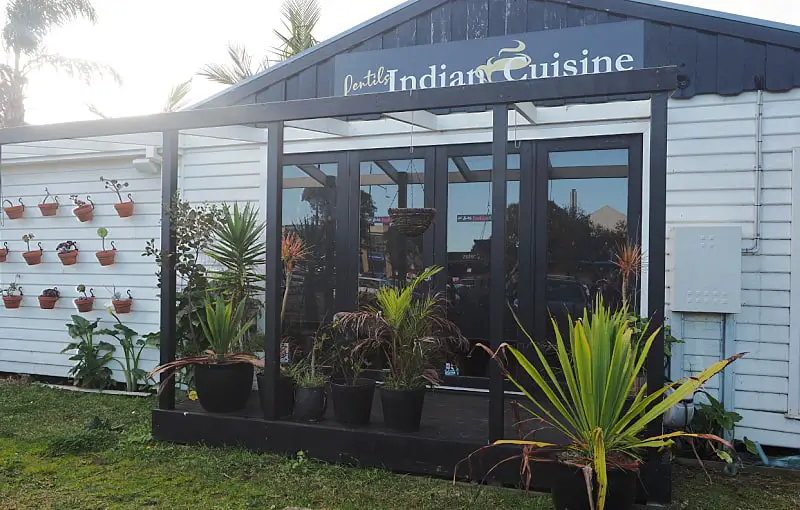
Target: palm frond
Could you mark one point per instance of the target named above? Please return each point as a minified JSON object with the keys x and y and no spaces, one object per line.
{"x":29,"y":21}
{"x":238,"y":69}
{"x":300,"y":18}
{"x":95,"y":110}
{"x":177,"y":96}
{"x":77,"y":68}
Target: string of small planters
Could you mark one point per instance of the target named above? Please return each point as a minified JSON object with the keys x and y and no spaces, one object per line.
{"x":84,"y":209}
{"x":13,"y":295}
{"x":67,"y":251}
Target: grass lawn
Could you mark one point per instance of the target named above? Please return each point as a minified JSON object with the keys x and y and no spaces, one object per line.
{"x":50,"y":460}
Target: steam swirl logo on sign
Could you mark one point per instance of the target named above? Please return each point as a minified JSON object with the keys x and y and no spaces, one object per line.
{"x":595,"y":49}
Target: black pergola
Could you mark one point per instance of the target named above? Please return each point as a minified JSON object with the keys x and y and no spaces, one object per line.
{"x":653,"y":84}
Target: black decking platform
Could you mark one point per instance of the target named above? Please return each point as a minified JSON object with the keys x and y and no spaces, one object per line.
{"x":454,"y":424}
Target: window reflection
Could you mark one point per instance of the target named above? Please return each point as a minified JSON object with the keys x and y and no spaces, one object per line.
{"x":587,"y":222}
{"x":469,"y":233}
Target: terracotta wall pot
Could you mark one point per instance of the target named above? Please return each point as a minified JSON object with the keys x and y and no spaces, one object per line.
{"x":84,"y":304}
{"x":84,"y":213}
{"x":47,"y":303}
{"x":15,"y":212}
{"x":12,"y":301}
{"x":3,"y":254}
{"x":122,"y":305}
{"x":125,"y":209}
{"x":69,"y":258}
{"x":48,"y":209}
{"x":107,"y":257}
{"x":33,"y":257}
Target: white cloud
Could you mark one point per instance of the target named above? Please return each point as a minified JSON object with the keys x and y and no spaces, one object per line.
{"x":155,"y":44}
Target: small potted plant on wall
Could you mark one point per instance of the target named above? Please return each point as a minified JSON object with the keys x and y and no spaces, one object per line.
{"x":121,"y":305}
{"x":83,"y":302}
{"x":12,"y":294}
{"x":412,"y":330}
{"x":4,"y":252}
{"x":84,"y":210}
{"x":48,"y":298}
{"x":223,"y":378}
{"x":68,"y":252}
{"x":352,"y":395}
{"x":49,"y":208}
{"x":124,"y":209}
{"x":14,"y":212}
{"x":32,"y":257}
{"x":106,"y":257}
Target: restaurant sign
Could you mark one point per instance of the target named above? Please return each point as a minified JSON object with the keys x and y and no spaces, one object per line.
{"x":593,"y":49}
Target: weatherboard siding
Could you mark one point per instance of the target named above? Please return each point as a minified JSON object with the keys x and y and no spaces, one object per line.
{"x":31,"y":339}
{"x":711,"y":181}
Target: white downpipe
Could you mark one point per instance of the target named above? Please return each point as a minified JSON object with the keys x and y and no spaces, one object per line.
{"x":759,"y":169}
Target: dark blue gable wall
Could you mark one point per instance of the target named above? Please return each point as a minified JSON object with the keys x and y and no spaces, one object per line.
{"x":709,"y":62}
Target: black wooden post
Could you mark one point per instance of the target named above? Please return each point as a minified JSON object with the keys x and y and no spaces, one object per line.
{"x":497,"y":303}
{"x":657,"y":242}
{"x":169,"y":188}
{"x":273,"y":269}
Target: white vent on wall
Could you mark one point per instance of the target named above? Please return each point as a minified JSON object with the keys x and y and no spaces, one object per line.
{"x":707,"y":276}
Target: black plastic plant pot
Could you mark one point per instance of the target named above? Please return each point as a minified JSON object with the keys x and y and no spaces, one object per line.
{"x":402,"y":409}
{"x":285,"y":395}
{"x":352,"y":404}
{"x":223,"y":387}
{"x":310,"y":403}
{"x":570,"y":492}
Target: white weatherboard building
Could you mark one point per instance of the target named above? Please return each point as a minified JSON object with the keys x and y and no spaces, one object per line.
{"x":733,"y":256}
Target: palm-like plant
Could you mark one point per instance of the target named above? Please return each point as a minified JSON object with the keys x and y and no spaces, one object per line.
{"x":293,"y":250}
{"x":176,"y":100}
{"x":238,"y":69}
{"x":224,"y":326}
{"x":300,"y":18}
{"x":599,"y":368}
{"x":239,"y":249}
{"x":411,"y":329}
{"x":27,"y":24}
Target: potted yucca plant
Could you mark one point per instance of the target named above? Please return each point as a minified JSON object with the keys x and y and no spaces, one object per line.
{"x":223,"y":377}
{"x":412,"y":330}
{"x":599,"y":363}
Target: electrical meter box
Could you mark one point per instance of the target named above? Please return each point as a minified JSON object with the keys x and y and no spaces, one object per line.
{"x":707,"y":272}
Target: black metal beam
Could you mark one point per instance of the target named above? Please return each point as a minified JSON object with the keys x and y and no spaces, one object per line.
{"x":497,"y":271}
{"x":642,"y":81}
{"x":169,"y":189}
{"x":315,"y":173}
{"x":657,"y":243}
{"x":463,"y":168}
{"x":273,"y":328}
{"x":390,"y":171}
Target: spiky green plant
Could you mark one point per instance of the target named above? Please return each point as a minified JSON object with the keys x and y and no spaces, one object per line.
{"x":599,"y":366}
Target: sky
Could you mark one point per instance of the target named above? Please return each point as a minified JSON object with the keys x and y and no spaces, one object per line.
{"x":155,"y":44}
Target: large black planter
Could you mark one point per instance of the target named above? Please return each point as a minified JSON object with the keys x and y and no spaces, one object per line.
{"x":352,"y":405}
{"x":310,"y":403}
{"x":570,"y":493}
{"x":223,"y":387}
{"x":402,"y":409}
{"x":285,"y":395}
